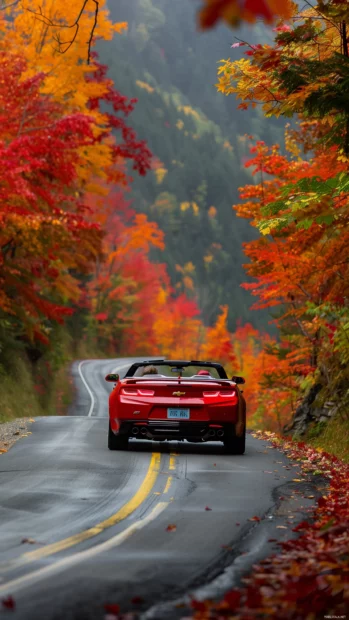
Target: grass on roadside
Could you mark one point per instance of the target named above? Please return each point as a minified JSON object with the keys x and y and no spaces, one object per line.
{"x":18,"y":398}
{"x":333,"y":437}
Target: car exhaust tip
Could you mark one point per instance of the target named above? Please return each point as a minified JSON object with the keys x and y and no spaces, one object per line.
{"x":211,"y":432}
{"x":220,"y":433}
{"x":143,"y":430}
{"x":135,"y":430}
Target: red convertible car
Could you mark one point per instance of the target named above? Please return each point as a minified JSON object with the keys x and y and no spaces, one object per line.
{"x":175,"y":400}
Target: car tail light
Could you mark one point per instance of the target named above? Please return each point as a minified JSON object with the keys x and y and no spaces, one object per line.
{"x":231,"y":394}
{"x":228,"y":394}
{"x":133,"y":392}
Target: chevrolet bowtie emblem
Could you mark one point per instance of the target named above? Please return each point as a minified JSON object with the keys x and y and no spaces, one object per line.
{"x":178,"y":393}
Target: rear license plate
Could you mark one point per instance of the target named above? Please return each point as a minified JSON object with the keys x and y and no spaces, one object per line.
{"x":178,"y":414}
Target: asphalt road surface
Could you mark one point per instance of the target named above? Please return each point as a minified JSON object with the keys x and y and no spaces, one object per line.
{"x":96,"y":522}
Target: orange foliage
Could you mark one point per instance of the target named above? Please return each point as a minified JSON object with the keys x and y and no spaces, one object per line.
{"x":233,"y":11}
{"x":218,"y":345}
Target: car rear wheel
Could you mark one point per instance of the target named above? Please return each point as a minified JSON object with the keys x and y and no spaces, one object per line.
{"x":117,"y":442}
{"x":234,"y":444}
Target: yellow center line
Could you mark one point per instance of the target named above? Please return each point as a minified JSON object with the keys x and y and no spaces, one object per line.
{"x":168,"y":484}
{"x":172,"y":463}
{"x":139,"y":497}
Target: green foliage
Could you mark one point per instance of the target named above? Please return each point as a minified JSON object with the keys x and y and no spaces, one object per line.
{"x":299,"y":199}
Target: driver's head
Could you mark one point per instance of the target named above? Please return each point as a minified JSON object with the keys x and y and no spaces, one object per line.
{"x":149,"y":370}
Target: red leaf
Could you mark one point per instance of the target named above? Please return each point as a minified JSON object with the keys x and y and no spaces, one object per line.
{"x":198,"y":605}
{"x":208,"y":508}
{"x":233,"y":599}
{"x":254,"y":597}
{"x":9,"y":603}
{"x":255,"y":519}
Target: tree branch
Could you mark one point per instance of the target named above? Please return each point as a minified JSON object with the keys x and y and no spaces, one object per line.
{"x":75,"y":25}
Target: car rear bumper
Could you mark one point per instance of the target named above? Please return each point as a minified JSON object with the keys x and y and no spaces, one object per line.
{"x":159,"y":430}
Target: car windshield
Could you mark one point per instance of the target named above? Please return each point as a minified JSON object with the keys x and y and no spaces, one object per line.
{"x":205,"y":372}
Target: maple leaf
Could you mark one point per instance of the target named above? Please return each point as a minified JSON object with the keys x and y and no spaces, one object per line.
{"x":8,"y":603}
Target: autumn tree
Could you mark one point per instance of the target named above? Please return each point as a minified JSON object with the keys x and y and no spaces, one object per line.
{"x":300,"y":200}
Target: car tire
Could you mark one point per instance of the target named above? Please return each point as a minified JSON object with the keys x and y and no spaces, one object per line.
{"x":234,"y":444}
{"x":117,"y":442}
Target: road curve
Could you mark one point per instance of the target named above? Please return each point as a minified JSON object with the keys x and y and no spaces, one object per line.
{"x":97,"y":521}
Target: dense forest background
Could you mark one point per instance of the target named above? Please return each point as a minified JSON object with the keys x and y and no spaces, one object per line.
{"x":200,"y":144}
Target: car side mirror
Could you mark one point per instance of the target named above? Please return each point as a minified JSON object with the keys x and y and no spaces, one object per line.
{"x":112,"y":378}
{"x":238,"y":380}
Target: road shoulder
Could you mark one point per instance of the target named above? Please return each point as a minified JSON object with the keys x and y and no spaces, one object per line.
{"x":11,"y":432}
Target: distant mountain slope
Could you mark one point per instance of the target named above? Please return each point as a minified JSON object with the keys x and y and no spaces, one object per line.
{"x":198,"y":136}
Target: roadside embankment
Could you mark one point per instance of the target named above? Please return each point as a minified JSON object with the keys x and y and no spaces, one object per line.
{"x":30,"y":390}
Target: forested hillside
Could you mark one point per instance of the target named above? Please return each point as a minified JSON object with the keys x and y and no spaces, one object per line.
{"x":198,"y":138}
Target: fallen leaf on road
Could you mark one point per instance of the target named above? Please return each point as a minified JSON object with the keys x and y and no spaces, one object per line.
{"x":310,"y":496}
{"x":29,"y":541}
{"x":199,"y":605}
{"x":281,"y":527}
{"x":16,"y":433}
{"x":237,"y":523}
{"x":254,"y":519}
{"x":297,"y":479}
{"x":171,"y":528}
{"x":8,"y":603}
{"x":2,"y":450}
{"x":112,"y":608}
{"x":208,"y":508}
{"x":233,"y":598}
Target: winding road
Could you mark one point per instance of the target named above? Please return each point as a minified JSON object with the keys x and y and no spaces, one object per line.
{"x":97,"y":521}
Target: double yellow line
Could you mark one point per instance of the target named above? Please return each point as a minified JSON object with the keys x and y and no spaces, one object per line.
{"x":124,"y":512}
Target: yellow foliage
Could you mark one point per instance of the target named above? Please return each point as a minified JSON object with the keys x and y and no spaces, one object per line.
{"x":189,"y":111}
{"x":160,"y":174}
{"x":208,"y":259}
{"x":41,"y":35}
{"x":145,"y":86}
{"x":120,"y":27}
{"x":184,"y":206}
{"x":189,"y":267}
{"x":180,"y":124}
{"x":212,"y":212}
{"x":227,"y":145}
